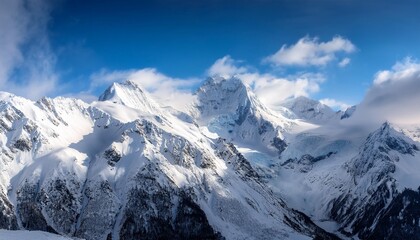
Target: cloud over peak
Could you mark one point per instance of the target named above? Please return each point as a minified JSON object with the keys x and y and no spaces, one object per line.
{"x":394,"y":95}
{"x":168,"y":91}
{"x":226,"y":66}
{"x":270,"y":88}
{"x":311,"y":52}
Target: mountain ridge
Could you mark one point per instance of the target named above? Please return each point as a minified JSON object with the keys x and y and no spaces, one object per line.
{"x":231,"y":168}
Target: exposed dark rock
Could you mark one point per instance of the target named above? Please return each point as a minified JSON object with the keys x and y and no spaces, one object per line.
{"x":4,"y":126}
{"x":241,"y":165}
{"x":29,"y":209}
{"x":360,"y":219}
{"x":265,"y":127}
{"x":305,"y":162}
{"x":57,"y":202}
{"x":401,"y":220}
{"x":348,"y":113}
{"x":303,"y":224}
{"x":192,"y":221}
{"x":149,"y":214}
{"x":243,"y":112}
{"x":279,"y":144}
{"x":23,"y":144}
{"x":112,"y":156}
{"x":61,"y":205}
{"x":94,"y":222}
{"x":7,"y":216}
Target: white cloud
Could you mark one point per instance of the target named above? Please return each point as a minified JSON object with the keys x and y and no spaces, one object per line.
{"x":344,"y":62}
{"x":401,"y":71}
{"x":226,"y":66}
{"x":334,"y":104}
{"x":274,"y":90}
{"x":394,"y":95}
{"x":271,"y":89}
{"x":26,"y":60}
{"x":168,"y":91}
{"x":310,"y":52}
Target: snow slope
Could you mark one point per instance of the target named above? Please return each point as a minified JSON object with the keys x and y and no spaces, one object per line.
{"x":29,"y":235}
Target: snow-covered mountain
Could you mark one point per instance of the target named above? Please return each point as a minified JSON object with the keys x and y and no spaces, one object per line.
{"x":310,"y":110}
{"x":230,"y":109}
{"x":124,"y":167}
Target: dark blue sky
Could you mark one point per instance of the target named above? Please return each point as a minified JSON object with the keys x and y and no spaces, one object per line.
{"x":184,"y":38}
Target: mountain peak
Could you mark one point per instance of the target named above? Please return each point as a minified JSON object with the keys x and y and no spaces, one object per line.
{"x":131,"y":95}
{"x":229,"y":108}
{"x":309,"y":109}
{"x":227,"y":82}
{"x":348,"y":112}
{"x":116,"y":89}
{"x":4,"y":96}
{"x":220,"y":95}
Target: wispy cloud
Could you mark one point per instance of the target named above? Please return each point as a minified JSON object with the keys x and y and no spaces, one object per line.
{"x":311,"y":52}
{"x":26,"y":61}
{"x":344,"y":62}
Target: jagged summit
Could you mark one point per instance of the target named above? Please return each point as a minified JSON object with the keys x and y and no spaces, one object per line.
{"x":230,"y":96}
{"x":131,"y":95}
{"x":226,"y":96}
{"x":229,"y":108}
{"x":381,"y":149}
{"x":348,"y":112}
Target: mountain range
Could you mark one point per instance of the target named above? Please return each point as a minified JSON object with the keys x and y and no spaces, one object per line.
{"x":125,"y":167}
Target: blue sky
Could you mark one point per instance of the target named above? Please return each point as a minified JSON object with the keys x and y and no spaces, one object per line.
{"x":183,"y":39}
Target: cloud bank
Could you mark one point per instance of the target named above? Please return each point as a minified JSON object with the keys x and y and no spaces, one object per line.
{"x":394,"y":95}
{"x":26,"y":60}
{"x":310,"y":52}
